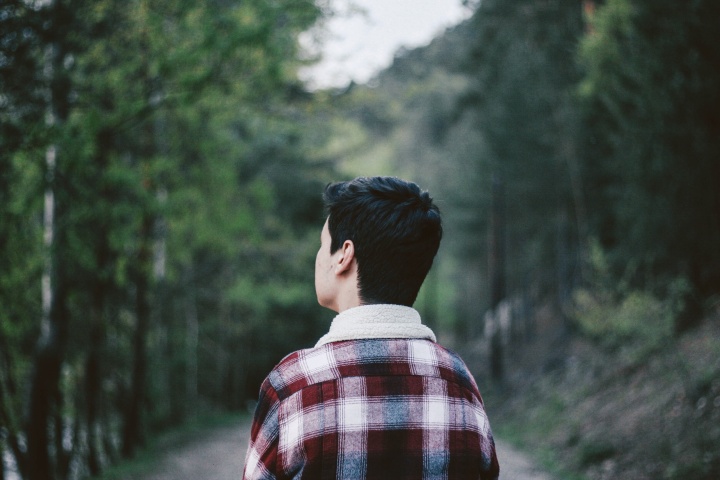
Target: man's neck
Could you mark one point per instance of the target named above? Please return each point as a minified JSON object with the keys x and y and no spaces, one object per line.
{"x":348,"y":295}
{"x":347,"y":302}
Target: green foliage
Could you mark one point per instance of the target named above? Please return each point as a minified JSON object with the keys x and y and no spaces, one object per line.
{"x":639,"y":319}
{"x":602,"y":413}
{"x":190,"y":165}
{"x":603,"y":126}
{"x":186,"y":214}
{"x":621,"y":317}
{"x":493,"y":96}
{"x":650,"y":109}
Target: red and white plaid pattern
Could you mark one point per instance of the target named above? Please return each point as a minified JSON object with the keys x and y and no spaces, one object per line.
{"x":371,"y":409}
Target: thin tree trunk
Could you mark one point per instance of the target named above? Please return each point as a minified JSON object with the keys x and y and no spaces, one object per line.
{"x":133,"y":435}
{"x":63,"y":456}
{"x":93,"y":379}
{"x":2,"y":459}
{"x":150,"y":266}
{"x":133,"y":431}
{"x":191,"y":352}
{"x":496,"y":272}
{"x":100,"y":291}
{"x":3,"y":415}
{"x":563,"y":265}
{"x":580,"y":212}
{"x":48,"y":237}
{"x":8,"y":416}
{"x":45,"y":391}
{"x":49,"y":354}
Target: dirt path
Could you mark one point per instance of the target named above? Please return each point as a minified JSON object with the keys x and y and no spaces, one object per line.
{"x":515,"y":465}
{"x":220,"y":455}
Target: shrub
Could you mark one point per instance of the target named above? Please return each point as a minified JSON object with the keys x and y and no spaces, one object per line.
{"x":619,"y":316}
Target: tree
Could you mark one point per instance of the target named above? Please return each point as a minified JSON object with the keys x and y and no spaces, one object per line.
{"x":521,"y":90}
{"x":651,"y":107}
{"x":154,"y":105}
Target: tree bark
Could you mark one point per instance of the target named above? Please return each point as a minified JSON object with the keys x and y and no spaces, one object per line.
{"x":133,"y":431}
{"x":50,"y":348}
{"x":496,"y":272}
{"x":45,"y":389}
{"x":8,"y":416}
{"x":191,"y":354}
{"x":93,"y":377}
{"x":2,"y":459}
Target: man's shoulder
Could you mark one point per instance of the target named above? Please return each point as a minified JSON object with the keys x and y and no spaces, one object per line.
{"x":368,"y":357}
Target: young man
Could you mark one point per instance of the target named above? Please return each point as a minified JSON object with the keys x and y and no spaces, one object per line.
{"x":376,"y":398}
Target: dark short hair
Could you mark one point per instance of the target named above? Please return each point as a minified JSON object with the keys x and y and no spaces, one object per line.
{"x":396,"y":230}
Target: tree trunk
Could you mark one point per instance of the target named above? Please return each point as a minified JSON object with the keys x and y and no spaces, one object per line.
{"x":8,"y":416}
{"x":93,"y":377}
{"x":580,"y":209}
{"x":496,"y":272}
{"x":63,"y":455}
{"x":133,"y":427}
{"x":45,"y":389}
{"x":49,"y":353}
{"x":142,"y":273}
{"x":191,"y":354}
{"x":563,"y":264}
{"x":45,"y":392}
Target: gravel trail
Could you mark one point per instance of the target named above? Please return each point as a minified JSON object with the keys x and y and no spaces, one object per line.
{"x":220,"y":455}
{"x":515,"y":465}
{"x":217,"y":455}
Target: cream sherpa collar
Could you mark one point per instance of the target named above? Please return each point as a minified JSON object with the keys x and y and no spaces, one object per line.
{"x":376,"y":321}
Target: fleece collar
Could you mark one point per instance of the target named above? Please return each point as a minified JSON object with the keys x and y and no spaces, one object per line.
{"x":376,"y":321}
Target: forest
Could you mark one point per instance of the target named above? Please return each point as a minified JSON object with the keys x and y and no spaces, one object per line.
{"x":161,"y":171}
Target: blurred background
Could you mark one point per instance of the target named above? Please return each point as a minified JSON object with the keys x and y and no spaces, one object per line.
{"x":161,"y":171}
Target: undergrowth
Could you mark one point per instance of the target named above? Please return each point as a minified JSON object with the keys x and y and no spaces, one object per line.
{"x":615,"y":410}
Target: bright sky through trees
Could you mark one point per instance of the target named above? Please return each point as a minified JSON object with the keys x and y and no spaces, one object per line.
{"x":365,"y":34}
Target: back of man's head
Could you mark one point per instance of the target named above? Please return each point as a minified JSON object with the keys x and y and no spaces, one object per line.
{"x":396,"y":230}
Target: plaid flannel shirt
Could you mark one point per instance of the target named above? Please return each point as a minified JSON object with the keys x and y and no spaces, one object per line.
{"x":371,"y":409}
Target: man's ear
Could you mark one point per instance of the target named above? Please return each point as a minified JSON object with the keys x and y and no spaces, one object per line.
{"x":345,"y":260}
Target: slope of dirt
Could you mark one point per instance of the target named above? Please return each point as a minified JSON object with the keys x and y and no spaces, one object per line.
{"x":602,"y":415}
